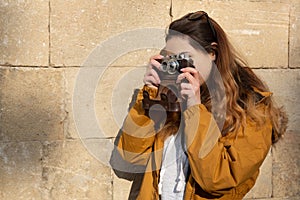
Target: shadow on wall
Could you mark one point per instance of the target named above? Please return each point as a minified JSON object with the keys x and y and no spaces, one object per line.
{"x":31,"y":113}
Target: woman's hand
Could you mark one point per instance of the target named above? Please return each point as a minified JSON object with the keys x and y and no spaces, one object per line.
{"x":190,"y":91}
{"x":151,"y":77}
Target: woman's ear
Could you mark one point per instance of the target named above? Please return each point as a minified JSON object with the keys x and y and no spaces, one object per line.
{"x":212,"y":56}
{"x":214,"y":47}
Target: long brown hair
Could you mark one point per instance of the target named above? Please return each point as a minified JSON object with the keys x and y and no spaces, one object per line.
{"x":243,"y":88}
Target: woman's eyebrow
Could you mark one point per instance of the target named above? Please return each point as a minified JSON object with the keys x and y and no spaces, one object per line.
{"x":186,"y":52}
{"x":166,"y":52}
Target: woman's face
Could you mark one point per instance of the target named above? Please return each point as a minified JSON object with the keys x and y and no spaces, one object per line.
{"x":202,"y":60}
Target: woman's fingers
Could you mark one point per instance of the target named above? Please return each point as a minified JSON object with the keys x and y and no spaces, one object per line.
{"x":191,"y":75}
{"x":190,"y":89}
{"x":151,"y":76}
{"x":154,"y":61}
{"x":190,"y":70}
{"x":190,"y":94}
{"x":186,"y":90}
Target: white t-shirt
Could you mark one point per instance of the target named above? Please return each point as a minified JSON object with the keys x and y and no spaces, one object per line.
{"x":174,"y":169}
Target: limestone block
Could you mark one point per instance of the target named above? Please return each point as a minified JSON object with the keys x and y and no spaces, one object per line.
{"x":285,"y":87}
{"x":286,"y":165}
{"x":121,"y":188}
{"x":24,"y":36}
{"x":259,"y":30}
{"x":31,"y":103}
{"x":70,"y":75}
{"x":137,"y":58}
{"x":111,"y":90}
{"x":20,"y":170}
{"x":294,"y":54}
{"x":75,"y":31}
{"x":113,"y":96}
{"x":128,"y":56}
{"x":71,"y":172}
{"x":263,"y":185}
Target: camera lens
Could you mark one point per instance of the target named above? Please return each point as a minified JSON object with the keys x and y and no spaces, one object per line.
{"x":164,"y":66}
{"x":173,"y":66}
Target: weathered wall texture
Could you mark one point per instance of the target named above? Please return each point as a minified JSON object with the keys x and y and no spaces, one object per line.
{"x":43,"y":43}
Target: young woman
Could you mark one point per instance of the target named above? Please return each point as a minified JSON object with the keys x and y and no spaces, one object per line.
{"x":214,"y":147}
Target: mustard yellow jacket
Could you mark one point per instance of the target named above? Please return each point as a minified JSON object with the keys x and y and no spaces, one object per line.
{"x":220,"y":167}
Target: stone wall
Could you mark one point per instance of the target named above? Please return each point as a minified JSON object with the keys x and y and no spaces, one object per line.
{"x":43,"y":45}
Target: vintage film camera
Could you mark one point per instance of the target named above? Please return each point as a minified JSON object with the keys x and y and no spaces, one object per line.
{"x":168,"y":95}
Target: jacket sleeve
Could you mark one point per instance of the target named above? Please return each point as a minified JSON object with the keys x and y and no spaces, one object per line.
{"x":221,"y":163}
{"x":138,"y":133}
